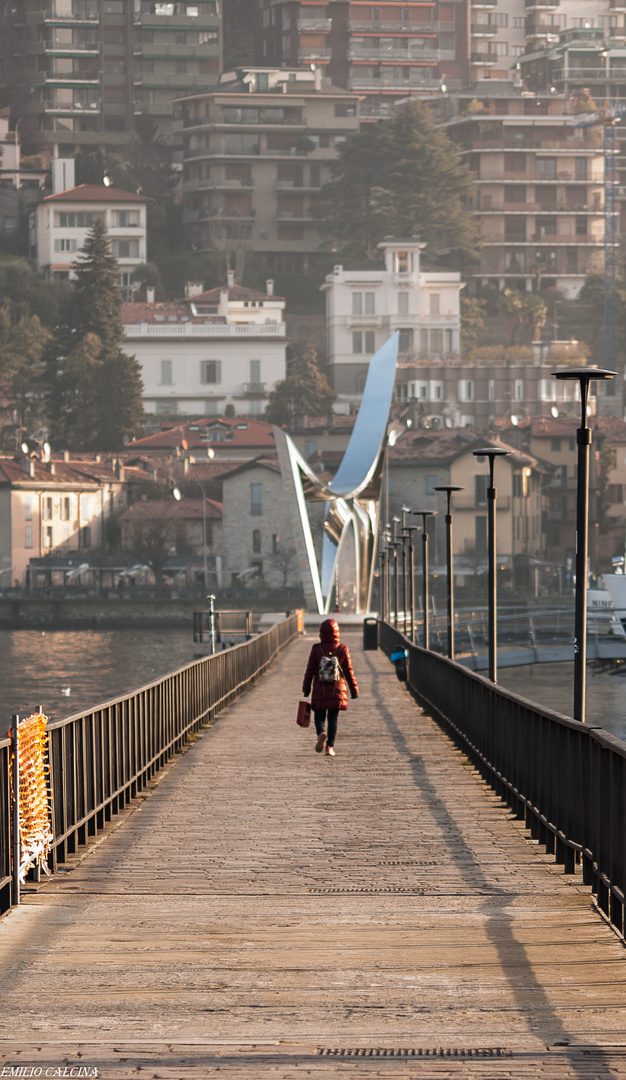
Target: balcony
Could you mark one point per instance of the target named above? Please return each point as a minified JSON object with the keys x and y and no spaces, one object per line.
{"x":484,"y":3}
{"x":320,"y":26}
{"x":541,"y":5}
{"x":388,"y":26}
{"x":313,"y":52}
{"x":72,"y":76}
{"x":294,"y":215}
{"x":585,"y":75}
{"x":254,"y":388}
{"x":486,"y":58}
{"x":483,"y":30}
{"x":383,"y":56}
{"x":360,"y":82}
{"x":230,"y":330}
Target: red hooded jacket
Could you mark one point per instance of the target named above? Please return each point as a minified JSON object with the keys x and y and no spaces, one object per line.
{"x":329,"y":695}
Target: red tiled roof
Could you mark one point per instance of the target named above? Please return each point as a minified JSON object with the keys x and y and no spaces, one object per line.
{"x":548,"y":425}
{"x":206,"y":471}
{"x":246,"y":432}
{"x":11,"y":472}
{"x":185,"y":510}
{"x":164,"y":312}
{"x":96,"y":193}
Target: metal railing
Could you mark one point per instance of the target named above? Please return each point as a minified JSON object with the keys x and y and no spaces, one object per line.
{"x":567,"y":780}
{"x":100,"y":760}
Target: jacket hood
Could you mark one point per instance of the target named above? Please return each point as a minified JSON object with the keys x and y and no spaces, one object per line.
{"x":329,"y":632}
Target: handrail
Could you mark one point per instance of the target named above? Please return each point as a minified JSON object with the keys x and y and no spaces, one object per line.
{"x":100,"y":759}
{"x":566,"y":779}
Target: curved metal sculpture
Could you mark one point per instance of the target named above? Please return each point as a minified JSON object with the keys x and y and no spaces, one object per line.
{"x":351,"y":499}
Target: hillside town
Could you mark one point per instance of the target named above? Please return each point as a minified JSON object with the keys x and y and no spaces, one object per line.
{"x":210,"y":224}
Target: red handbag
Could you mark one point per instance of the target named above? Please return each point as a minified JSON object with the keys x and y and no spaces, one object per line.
{"x":303,"y":718}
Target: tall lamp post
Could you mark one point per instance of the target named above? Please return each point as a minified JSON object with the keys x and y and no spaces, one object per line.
{"x":583,"y":440}
{"x":395,"y":543}
{"x":425,"y":514}
{"x":448,"y":490}
{"x":491,"y":453}
{"x":409,"y":530}
{"x":405,"y":511}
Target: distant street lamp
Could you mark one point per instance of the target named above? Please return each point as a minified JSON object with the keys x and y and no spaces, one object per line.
{"x":409,"y":530}
{"x":425,"y":514}
{"x":583,"y":440}
{"x":448,"y":490}
{"x":405,"y":511}
{"x":491,"y":453}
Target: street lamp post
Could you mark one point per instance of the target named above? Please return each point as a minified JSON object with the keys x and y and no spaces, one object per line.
{"x":405,"y":511}
{"x":448,"y":490}
{"x":491,"y":453}
{"x":409,"y":530}
{"x":424,"y":514}
{"x":583,"y":440}
{"x":395,"y":543}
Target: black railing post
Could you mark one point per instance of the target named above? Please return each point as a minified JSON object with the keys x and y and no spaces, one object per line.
{"x":409,"y":530}
{"x":15,"y":808}
{"x":491,"y":453}
{"x":425,"y":514}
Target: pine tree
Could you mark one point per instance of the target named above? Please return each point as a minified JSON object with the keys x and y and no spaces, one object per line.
{"x":304,"y":391}
{"x":94,"y":396}
{"x":401,"y":177}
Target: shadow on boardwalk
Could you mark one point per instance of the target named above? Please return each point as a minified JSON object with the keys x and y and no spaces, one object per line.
{"x":270,"y":912}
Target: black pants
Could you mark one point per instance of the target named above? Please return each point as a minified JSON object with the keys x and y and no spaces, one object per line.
{"x":319,"y":716}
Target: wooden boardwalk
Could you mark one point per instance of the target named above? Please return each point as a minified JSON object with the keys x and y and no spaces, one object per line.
{"x":268,"y":912}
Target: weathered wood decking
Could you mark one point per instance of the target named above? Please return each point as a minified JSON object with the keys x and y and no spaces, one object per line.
{"x":269,"y":912}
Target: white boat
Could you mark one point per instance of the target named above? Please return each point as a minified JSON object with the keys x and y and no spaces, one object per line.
{"x":606,"y":608}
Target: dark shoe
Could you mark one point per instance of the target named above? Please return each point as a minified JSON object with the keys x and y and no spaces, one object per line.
{"x":321,"y":739}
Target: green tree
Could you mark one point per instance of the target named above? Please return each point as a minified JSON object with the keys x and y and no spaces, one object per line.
{"x":524,"y":314}
{"x":472,"y":323}
{"x":402,"y":177}
{"x":94,"y":394}
{"x":22,"y":344}
{"x":305,"y":391}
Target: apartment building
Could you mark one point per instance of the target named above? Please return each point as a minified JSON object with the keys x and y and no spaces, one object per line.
{"x":367,"y":303}
{"x":539,"y":184}
{"x":60,"y":224}
{"x":79,"y":71}
{"x":256,"y":152}
{"x":385,"y":51}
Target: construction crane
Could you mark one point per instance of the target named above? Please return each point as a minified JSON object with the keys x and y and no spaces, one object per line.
{"x":609,"y":116}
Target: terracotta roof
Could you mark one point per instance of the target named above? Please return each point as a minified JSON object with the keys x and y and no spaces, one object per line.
{"x":96,"y":193}
{"x":447,"y":446}
{"x":263,"y":462}
{"x":547,"y":425}
{"x":164,"y":312}
{"x":185,"y":510}
{"x":246,"y":431}
{"x":11,"y":472}
{"x":207,"y":471}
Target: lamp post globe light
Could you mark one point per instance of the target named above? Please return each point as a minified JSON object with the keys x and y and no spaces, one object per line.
{"x":425,"y":514}
{"x":583,"y":441}
{"x":449,"y":489}
{"x":491,"y":453}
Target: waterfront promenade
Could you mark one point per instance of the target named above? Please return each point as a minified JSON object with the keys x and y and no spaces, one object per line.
{"x":267,"y":912}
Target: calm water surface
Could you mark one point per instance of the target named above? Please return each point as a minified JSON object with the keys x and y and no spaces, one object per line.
{"x":552,"y":685}
{"x":93,"y":665}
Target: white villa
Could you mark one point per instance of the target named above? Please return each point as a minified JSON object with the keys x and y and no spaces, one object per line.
{"x":213,"y":349}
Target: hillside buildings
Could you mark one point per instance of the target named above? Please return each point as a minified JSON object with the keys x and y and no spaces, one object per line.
{"x":539,"y":184}
{"x":79,"y":71}
{"x":210,"y":353}
{"x":257,"y":149}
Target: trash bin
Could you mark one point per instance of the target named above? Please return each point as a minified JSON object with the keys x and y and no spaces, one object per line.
{"x":370,"y":635}
{"x":399,"y":658}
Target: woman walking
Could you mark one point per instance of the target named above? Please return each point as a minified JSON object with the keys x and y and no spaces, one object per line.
{"x":330,"y":671}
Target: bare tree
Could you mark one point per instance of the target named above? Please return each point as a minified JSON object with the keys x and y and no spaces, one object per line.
{"x":282,"y":560}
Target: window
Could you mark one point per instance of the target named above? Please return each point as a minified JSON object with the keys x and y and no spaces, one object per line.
{"x":125,"y":219}
{"x":345,"y":110}
{"x":369,"y":299}
{"x":514,"y":163}
{"x":357,"y":304}
{"x":28,"y":536}
{"x":431,"y":483}
{"x":436,"y":342}
{"x":434,"y":303}
{"x":581,"y":226}
{"x":491,"y":389}
{"x":47,"y":537}
{"x":466,"y":390}
{"x":555,"y":445}
{"x":357,"y":341}
{"x":70,"y":220}
{"x":403,"y":303}
{"x":166,"y":373}
{"x":581,"y":168}
{"x":84,"y":507}
{"x":255,"y":500}
{"x":84,"y":536}
{"x":65,"y":245}
{"x":125,"y":249}
{"x":28,"y":508}
{"x":255,"y":373}
{"x":405,"y":343}
{"x":546,"y":168}
{"x":65,"y":508}
{"x":47,"y":508}
{"x":519,"y":390}
{"x":210,"y":371}
{"x":256,"y":540}
{"x":402,"y":262}
{"x":275,"y":543}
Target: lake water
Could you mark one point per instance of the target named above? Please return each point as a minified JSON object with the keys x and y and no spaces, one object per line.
{"x":95,"y":665}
